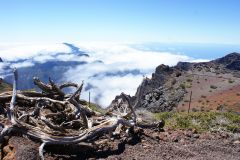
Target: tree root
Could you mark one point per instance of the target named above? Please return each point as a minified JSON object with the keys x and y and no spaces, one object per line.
{"x":55,"y":118}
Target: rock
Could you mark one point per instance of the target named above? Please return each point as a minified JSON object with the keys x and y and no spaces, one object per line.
{"x":163,"y":69}
{"x":196,"y":136}
{"x":182,"y":140}
{"x":224,"y":135}
{"x":188,"y":134}
{"x":174,"y":138}
{"x":146,"y":146}
{"x":156,"y":136}
{"x":162,"y":137}
{"x":183,"y":66}
{"x":21,"y":149}
{"x":236,"y":142}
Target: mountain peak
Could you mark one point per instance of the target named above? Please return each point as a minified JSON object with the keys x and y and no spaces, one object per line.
{"x":230,"y":58}
{"x":76,"y":50}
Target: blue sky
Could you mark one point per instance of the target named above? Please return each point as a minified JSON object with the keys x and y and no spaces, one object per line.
{"x":203,"y":21}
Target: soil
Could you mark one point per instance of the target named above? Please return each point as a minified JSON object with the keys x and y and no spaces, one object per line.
{"x":205,"y":98}
{"x":147,"y":144}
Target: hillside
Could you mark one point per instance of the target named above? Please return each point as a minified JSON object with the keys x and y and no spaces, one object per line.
{"x":4,"y":86}
{"x":215,"y":85}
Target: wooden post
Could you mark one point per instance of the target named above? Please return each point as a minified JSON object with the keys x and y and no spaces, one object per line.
{"x":190,"y":100}
{"x":89,"y":95}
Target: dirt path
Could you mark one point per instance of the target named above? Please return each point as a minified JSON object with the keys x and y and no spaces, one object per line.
{"x":199,"y":150}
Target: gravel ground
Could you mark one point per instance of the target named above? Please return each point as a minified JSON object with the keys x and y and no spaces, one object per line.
{"x":179,"y":144}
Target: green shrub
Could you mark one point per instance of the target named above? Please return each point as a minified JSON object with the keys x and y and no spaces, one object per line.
{"x":231,"y":81}
{"x":189,"y":80}
{"x":213,"y":87}
{"x":182,"y":86}
{"x":201,"y":121}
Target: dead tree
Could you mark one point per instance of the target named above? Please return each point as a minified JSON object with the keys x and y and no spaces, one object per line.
{"x":55,"y":118}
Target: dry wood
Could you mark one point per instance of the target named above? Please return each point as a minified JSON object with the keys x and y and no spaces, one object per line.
{"x":62,"y":119}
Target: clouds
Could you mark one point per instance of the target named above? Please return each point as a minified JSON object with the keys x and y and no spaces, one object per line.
{"x":13,"y":52}
{"x":110,"y":68}
{"x":118,"y":72}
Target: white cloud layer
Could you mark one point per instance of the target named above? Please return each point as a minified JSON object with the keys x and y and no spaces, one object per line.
{"x":116,"y":58}
{"x":12,"y":52}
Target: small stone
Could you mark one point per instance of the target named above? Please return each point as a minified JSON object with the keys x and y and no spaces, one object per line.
{"x":146,"y":146}
{"x":156,"y":136}
{"x":188,"y":134}
{"x":174,"y":138}
{"x":194,"y":131}
{"x":196,"y":136}
{"x":182,"y":140}
{"x":236,"y":142}
{"x":224,"y":135}
{"x":162,"y":137}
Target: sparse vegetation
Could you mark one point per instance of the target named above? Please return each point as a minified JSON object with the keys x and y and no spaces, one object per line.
{"x":213,"y":87}
{"x":182,"y":85}
{"x":201,"y":121}
{"x":194,"y":109}
{"x":94,"y":107}
{"x":231,"y":81}
{"x":189,"y":80}
{"x":4,"y":87}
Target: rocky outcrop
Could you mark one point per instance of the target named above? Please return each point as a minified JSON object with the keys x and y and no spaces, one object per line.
{"x":1,"y":60}
{"x":230,"y":61}
{"x":157,"y":94}
{"x":232,"y":57}
{"x":162,"y":99}
{"x":184,"y":66}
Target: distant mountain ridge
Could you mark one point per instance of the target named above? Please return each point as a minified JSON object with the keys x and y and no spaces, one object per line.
{"x":53,"y":68}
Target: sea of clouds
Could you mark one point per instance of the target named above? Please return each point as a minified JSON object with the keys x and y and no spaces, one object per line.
{"x":111,"y":68}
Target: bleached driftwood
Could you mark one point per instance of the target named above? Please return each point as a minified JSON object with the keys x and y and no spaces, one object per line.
{"x":54,"y":118}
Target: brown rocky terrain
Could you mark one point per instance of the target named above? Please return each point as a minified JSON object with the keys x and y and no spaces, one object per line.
{"x":148,"y":144}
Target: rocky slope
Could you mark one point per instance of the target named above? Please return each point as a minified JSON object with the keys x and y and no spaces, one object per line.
{"x":169,"y":88}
